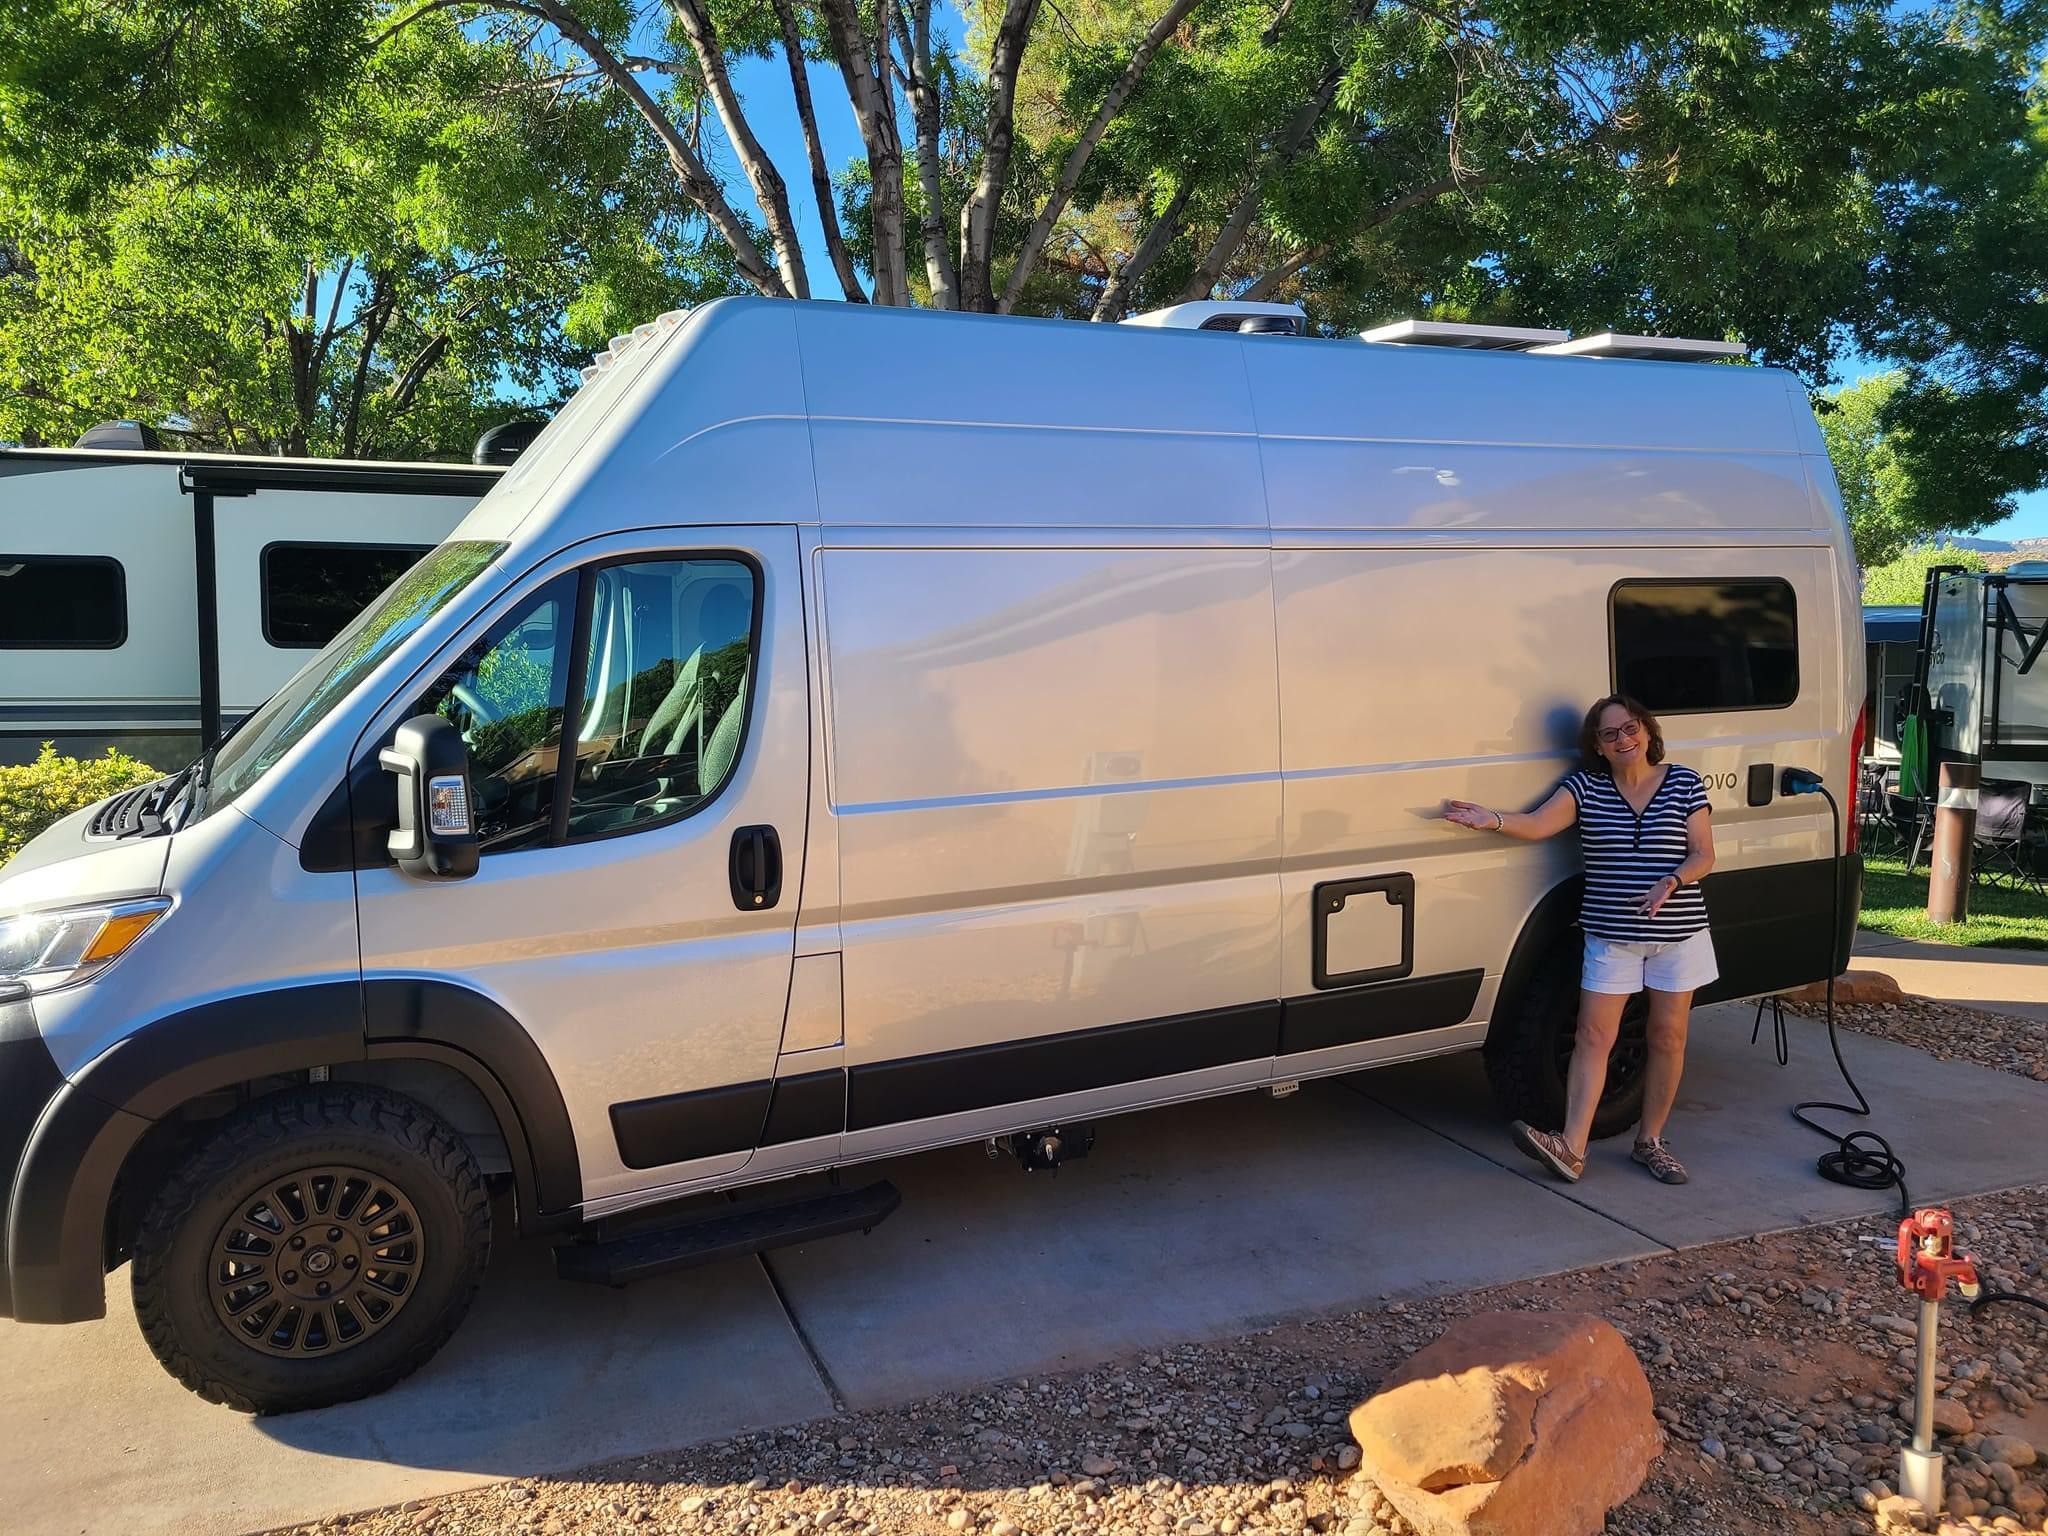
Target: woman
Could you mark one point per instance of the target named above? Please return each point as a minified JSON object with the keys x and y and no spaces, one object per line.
{"x":1647,"y":838}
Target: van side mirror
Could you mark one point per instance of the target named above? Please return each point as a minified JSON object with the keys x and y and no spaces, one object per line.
{"x":436,"y":836}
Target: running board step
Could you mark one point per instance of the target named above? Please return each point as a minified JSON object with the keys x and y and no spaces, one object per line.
{"x":727,"y":1233}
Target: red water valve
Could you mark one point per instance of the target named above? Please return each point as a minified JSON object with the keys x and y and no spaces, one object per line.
{"x":1928,"y":1259}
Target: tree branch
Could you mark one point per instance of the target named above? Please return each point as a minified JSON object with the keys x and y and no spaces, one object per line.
{"x":1110,"y":302}
{"x":978,"y":217}
{"x":814,"y":151}
{"x":1293,"y":139}
{"x":771,"y":195}
{"x":1084,"y":149}
{"x":699,"y":185}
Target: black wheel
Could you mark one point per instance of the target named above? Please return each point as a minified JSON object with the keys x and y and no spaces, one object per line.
{"x":319,"y":1247}
{"x":1528,"y":1058}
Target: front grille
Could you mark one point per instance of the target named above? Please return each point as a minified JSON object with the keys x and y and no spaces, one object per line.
{"x":122,"y":815}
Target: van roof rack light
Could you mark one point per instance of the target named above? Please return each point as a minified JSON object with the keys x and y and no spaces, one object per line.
{"x":1220,"y":315}
{"x":1454,"y":333}
{"x":1668,"y":349}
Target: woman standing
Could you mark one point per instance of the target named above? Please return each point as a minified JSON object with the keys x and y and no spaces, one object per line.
{"x":1647,"y":838}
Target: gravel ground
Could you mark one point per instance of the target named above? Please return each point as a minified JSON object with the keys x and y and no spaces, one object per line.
{"x":1950,"y":1033}
{"x":1778,"y":1364}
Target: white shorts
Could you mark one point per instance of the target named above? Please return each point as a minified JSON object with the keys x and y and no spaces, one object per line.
{"x":1676,"y":965}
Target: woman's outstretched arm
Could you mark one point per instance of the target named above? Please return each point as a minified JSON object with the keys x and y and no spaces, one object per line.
{"x":1547,"y":820}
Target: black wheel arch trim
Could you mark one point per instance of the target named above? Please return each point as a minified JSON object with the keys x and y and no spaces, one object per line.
{"x":64,"y":1185}
{"x":478,"y":1037}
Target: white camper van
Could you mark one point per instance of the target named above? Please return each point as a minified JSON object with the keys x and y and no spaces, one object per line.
{"x":147,"y":597}
{"x":851,"y":730}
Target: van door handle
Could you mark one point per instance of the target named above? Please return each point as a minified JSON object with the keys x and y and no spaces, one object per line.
{"x":756,"y":869}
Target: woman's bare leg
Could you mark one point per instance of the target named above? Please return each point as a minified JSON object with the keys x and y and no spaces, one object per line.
{"x":1670,"y":1013}
{"x":1599,"y":1024}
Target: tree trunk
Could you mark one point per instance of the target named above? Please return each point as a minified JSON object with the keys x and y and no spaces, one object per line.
{"x":1084,"y":149}
{"x":1110,"y":302}
{"x":814,"y":151}
{"x":868,"y":89}
{"x":978,"y":217}
{"x":771,"y":194}
{"x":923,"y":89}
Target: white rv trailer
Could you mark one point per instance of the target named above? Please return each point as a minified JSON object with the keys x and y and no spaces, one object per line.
{"x":850,"y":730}
{"x":148,"y":598}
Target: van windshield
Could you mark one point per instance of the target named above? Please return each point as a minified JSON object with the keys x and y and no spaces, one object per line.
{"x":277,"y":726}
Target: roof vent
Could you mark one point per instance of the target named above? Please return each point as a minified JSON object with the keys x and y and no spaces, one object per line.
{"x":1220,"y":315}
{"x":1451,"y":333}
{"x":120,"y":434}
{"x":1669,"y":349}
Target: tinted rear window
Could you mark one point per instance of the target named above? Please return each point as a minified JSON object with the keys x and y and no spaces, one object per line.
{"x":1694,"y":646}
{"x":62,"y":602}
{"x":311,"y":590}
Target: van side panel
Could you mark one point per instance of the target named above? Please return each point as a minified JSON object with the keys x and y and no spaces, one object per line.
{"x":1413,"y":675}
{"x":1055,"y":774}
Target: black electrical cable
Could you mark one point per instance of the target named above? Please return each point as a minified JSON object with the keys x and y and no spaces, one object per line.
{"x":1861,"y":1159}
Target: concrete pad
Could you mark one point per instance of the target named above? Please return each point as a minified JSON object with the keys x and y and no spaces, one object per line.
{"x":1187,"y":1223}
{"x":1961,"y":1129}
{"x":543,"y":1376}
{"x":2008,"y":981}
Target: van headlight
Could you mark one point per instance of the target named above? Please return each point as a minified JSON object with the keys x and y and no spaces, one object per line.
{"x":46,"y":950}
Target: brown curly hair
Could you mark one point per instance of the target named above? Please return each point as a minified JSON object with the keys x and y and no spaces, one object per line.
{"x":1589,"y":733}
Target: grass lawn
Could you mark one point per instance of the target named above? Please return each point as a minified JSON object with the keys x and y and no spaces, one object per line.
{"x":2000,"y":917}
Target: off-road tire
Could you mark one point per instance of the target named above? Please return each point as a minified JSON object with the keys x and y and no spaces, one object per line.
{"x":423,"y":1157}
{"x":1529,"y":1051}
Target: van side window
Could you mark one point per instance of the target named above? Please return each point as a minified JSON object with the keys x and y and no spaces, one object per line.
{"x":62,"y":603}
{"x":1688,"y":647}
{"x":664,"y":697}
{"x":311,"y":590}
{"x":505,"y":695}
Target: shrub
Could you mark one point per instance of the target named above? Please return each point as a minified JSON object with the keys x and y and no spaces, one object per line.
{"x":1904,"y":579}
{"x":33,"y":795}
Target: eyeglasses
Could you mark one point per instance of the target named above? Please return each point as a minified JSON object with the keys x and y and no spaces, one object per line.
{"x":1625,"y":732}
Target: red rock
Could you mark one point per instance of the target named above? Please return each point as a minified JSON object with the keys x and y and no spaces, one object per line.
{"x":1511,"y":1424}
{"x":1850,"y":987}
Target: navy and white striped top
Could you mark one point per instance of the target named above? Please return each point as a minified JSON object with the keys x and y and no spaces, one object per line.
{"x":1626,"y":854}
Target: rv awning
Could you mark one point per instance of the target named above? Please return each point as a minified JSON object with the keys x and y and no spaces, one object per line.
{"x":1890,"y":624}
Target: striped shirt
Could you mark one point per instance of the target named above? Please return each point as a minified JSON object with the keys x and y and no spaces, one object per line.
{"x":1626,"y":854}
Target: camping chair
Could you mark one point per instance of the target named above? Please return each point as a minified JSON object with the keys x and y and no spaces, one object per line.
{"x":1911,"y":810}
{"x":1870,"y":802}
{"x":2001,"y":855}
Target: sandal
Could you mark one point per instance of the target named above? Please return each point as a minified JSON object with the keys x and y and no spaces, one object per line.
{"x":1548,"y":1149}
{"x":1656,"y":1157}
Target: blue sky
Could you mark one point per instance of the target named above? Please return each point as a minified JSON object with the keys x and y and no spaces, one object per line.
{"x":764,"y":85}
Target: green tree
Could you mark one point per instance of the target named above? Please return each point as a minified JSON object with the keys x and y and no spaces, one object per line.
{"x":1806,"y":176}
{"x":1878,"y":492}
{"x":1903,"y":579}
{"x":400,"y":260}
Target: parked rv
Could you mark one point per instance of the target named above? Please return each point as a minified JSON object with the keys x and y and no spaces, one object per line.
{"x":148,"y":598}
{"x":847,"y":731}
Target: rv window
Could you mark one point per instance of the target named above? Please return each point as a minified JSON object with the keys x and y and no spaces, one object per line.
{"x":1684,"y":647}
{"x":311,"y":590}
{"x":62,"y":603}
{"x":664,"y":699}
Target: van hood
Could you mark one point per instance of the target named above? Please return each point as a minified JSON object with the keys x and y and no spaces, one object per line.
{"x":65,"y":868}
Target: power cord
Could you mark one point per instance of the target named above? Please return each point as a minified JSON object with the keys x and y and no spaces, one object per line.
{"x":1861,"y":1159}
